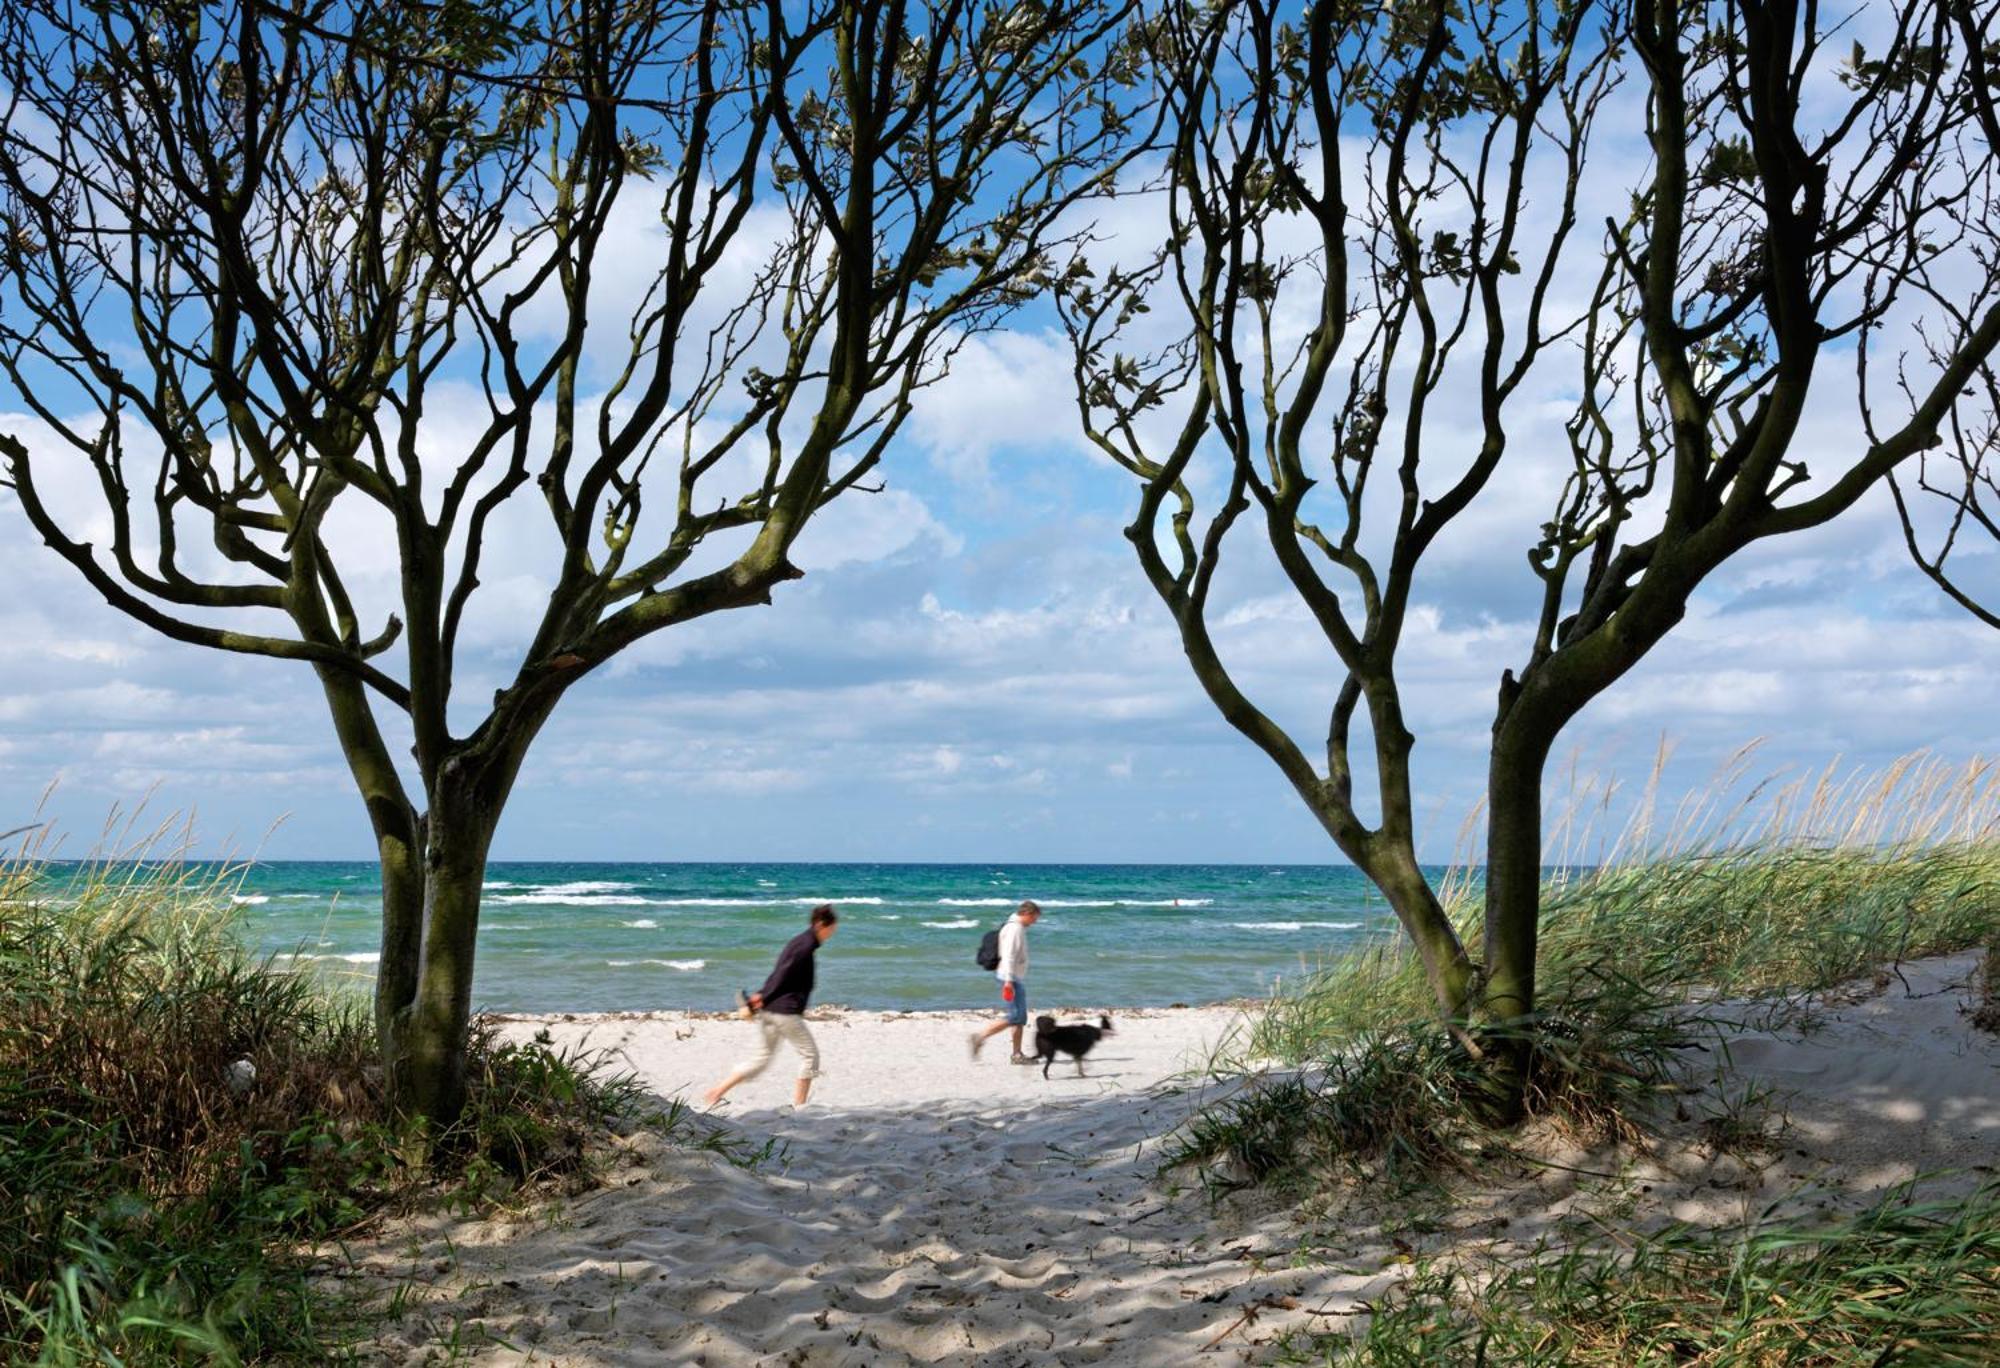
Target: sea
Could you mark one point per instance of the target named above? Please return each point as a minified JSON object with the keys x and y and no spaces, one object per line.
{"x":635,"y":937}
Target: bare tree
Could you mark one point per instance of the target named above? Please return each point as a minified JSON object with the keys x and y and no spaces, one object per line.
{"x":252,"y":245}
{"x":1960,"y":471}
{"x":1960,"y":484}
{"x":1374,"y":241}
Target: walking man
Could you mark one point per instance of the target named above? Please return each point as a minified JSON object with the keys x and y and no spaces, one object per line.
{"x":779,"y":1008}
{"x":1013,"y":976}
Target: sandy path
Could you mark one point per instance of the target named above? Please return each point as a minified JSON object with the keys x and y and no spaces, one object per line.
{"x":942,"y":1212}
{"x":998,"y":1219}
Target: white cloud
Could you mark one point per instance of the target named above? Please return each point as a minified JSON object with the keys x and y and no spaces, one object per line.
{"x":973,"y":667}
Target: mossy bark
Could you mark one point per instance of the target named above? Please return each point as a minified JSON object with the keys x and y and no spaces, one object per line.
{"x":424,"y":1039}
{"x":1506,"y":1000}
{"x":424,"y":995}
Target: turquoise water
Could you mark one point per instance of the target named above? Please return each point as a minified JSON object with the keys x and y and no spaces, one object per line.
{"x":603,"y":937}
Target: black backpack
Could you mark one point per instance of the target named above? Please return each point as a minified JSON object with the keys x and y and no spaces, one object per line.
{"x":989,"y":950}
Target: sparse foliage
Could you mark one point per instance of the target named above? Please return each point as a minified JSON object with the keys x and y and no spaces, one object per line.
{"x":286,"y":278}
{"x":1386,"y":227}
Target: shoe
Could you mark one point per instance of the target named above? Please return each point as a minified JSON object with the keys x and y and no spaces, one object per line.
{"x":977,"y":1041}
{"x":1025,"y":1059}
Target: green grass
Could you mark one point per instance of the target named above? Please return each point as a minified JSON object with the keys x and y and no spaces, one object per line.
{"x":1400,"y":1105}
{"x":1785,"y":892}
{"x":1899,"y":1283}
{"x":1741,"y":922}
{"x":1628,"y":953}
{"x":147,"y":1207}
{"x":1751,"y":887}
{"x":1782,"y":894}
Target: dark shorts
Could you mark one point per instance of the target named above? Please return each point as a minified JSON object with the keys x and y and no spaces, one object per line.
{"x":1017,"y":1010}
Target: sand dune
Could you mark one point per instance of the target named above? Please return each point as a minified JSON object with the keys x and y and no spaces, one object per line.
{"x":936,"y":1211}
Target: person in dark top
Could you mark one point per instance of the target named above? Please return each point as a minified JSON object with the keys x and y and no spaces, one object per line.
{"x":779,"y":1009}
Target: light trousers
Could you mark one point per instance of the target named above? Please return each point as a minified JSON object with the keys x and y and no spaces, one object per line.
{"x":773,"y":1027}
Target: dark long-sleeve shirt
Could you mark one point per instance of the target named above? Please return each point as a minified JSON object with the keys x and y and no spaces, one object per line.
{"x":791,"y":981}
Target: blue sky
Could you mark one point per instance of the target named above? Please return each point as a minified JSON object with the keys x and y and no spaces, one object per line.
{"x":972,"y":669}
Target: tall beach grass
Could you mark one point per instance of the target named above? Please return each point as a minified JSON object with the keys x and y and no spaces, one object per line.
{"x":1751,"y":887}
{"x":1751,"y":890}
{"x":178,"y":1114}
{"x":1903,"y":1281}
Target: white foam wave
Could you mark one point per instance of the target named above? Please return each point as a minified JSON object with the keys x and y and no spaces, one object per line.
{"x":250,"y":899}
{"x":685,"y":966}
{"x":958,"y":925}
{"x":492,"y":884}
{"x":571,"y":900}
{"x":607,"y":901}
{"x":1078,"y":902}
{"x":1298,"y":926}
{"x":643,"y":924}
{"x":587,"y":886}
{"x":709,"y":902}
{"x":365,"y":957}
{"x":891,"y":916}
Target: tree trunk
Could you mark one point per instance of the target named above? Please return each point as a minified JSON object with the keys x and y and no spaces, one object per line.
{"x":1987,"y":1016}
{"x":400,"y":964}
{"x":1513,"y":909}
{"x":1424,"y":920}
{"x":424,"y":1034}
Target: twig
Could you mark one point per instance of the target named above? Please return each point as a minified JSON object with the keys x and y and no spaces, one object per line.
{"x":1269,"y":1303}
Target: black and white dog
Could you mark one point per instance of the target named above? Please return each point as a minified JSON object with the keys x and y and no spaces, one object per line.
{"x":1074,"y":1041}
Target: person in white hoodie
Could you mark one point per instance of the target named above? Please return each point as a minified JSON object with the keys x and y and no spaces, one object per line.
{"x":1013,"y":976}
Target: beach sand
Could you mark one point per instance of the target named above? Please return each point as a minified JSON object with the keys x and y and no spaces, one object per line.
{"x":927,"y":1209}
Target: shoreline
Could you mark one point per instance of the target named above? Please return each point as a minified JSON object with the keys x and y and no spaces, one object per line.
{"x":875,"y":1058}
{"x":642,"y":937}
{"x":840,"y":1011}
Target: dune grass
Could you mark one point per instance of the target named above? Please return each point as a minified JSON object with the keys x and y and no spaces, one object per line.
{"x":1902,"y":1282}
{"x":1754,"y":890}
{"x":177,"y":1114}
{"x":1781,"y":892}
{"x":1400,"y":1105}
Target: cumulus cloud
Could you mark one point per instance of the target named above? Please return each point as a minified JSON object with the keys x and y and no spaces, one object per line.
{"x":984,"y":690}
{"x":972,"y":667}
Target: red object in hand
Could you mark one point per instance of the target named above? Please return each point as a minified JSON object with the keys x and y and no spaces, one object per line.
{"x":1006,"y":992}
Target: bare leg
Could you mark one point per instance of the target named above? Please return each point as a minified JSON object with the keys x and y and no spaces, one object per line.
{"x":720,"y":1090}
{"x":799,"y":1093}
{"x":1017,"y":1040}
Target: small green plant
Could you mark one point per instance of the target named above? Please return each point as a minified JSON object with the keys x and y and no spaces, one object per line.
{"x":1902,"y":1282}
{"x":1740,"y":1119}
{"x":1404,"y":1103}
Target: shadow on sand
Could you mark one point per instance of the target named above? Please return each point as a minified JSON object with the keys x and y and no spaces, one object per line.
{"x":954,"y":1232}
